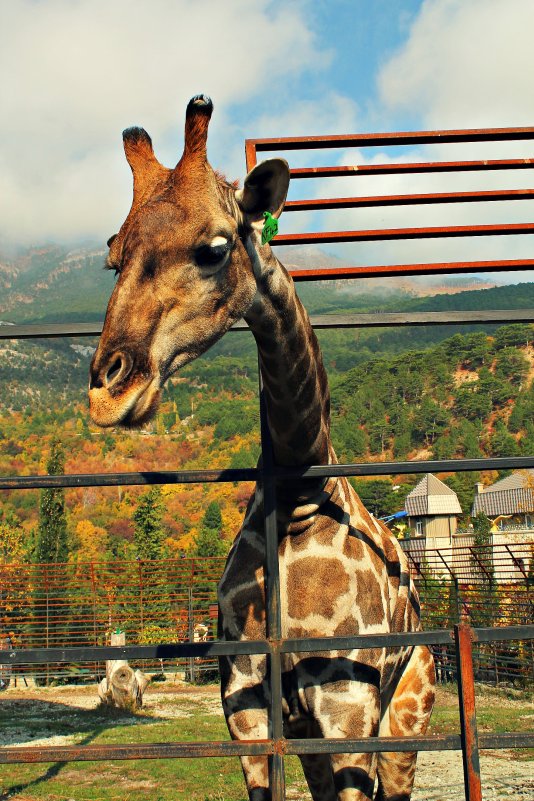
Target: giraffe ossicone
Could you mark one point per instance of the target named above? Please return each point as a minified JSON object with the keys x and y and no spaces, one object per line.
{"x":190,"y":263}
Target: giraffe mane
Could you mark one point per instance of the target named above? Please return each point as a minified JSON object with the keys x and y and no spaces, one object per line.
{"x":221,"y":178}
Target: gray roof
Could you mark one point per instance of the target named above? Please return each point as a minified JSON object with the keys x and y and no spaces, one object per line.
{"x":432,"y":497}
{"x":511,"y":495}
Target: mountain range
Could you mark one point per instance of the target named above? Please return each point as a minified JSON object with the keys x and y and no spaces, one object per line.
{"x":56,"y":284}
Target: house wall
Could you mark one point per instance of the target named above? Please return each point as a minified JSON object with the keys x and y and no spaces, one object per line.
{"x":438,"y":530}
{"x":514,"y":558}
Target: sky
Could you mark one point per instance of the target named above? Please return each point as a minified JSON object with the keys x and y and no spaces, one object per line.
{"x":75,"y":73}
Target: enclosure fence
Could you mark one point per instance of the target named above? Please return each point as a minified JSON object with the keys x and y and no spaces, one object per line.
{"x":175,"y":600}
{"x":275,"y":645}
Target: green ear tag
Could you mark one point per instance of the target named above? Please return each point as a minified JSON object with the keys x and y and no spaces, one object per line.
{"x":270,"y":228}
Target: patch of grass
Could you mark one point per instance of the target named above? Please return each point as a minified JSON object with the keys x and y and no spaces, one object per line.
{"x":189,"y":716}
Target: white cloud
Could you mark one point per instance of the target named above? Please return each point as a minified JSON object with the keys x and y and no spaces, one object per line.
{"x":75,"y":73}
{"x":467,"y":63}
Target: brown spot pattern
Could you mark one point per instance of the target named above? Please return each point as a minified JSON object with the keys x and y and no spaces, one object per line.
{"x":314,"y":586}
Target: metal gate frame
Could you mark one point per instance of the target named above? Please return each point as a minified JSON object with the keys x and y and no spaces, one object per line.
{"x":276,"y":747}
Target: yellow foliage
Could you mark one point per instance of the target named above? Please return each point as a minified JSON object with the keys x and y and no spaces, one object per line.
{"x":92,"y":542}
{"x":12,"y":544}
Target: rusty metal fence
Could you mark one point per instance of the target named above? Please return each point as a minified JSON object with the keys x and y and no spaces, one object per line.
{"x":81,"y":604}
{"x":275,"y":645}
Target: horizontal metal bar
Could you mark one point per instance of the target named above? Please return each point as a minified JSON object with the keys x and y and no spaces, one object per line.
{"x":509,"y":739}
{"x":416,"y":467}
{"x":430,"y":268}
{"x":394,"y":319}
{"x":130,"y":479}
{"x":451,"y":742}
{"x":324,"y":321}
{"x":389,"y":234}
{"x":305,"y":644}
{"x":505,"y":634}
{"x":50,"y":330}
{"x":93,"y":753}
{"x":78,"y":654}
{"x":251,"y":474}
{"x":382,"y":201}
{"x":411,"y":168}
{"x":194,"y":750}
{"x":397,"y":138}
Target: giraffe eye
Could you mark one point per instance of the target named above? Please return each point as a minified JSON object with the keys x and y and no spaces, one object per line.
{"x":214,"y":254}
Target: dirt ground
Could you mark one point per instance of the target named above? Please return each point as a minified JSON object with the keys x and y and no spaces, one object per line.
{"x":505,"y":774}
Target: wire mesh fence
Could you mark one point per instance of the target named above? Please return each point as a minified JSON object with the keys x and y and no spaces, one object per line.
{"x":174,"y":601}
{"x":489,"y":585}
{"x":81,"y":604}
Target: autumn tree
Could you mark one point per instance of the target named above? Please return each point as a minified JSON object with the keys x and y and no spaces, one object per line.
{"x":92,"y":542}
{"x":13,"y":549}
{"x":15,"y":589}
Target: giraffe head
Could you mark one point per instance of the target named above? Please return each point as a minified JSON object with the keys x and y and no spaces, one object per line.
{"x":184,"y":274}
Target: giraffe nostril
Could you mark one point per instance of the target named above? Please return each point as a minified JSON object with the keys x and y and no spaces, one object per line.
{"x":119,"y":368}
{"x":113,"y":371}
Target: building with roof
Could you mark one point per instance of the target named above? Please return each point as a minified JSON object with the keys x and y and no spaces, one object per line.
{"x":509,"y":502}
{"x":432,"y":508}
{"x":434,"y":538}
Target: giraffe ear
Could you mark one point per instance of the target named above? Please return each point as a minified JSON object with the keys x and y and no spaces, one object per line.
{"x":265,"y":189}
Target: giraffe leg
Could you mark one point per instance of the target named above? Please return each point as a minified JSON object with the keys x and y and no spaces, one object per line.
{"x":354,"y":776}
{"x":408,"y":715}
{"x":351,"y":714}
{"x":318,"y":772}
{"x":256,"y":773}
{"x":245,"y":699}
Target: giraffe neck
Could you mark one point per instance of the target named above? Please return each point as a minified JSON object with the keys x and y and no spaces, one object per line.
{"x":295,"y":383}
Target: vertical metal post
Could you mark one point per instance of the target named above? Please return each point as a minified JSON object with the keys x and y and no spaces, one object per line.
{"x":47,"y":622}
{"x":463,"y":636}
{"x":141,"y":599}
{"x":458,"y":599}
{"x":251,"y":156}
{"x":93,"y":588}
{"x":272,"y":600}
{"x":191,"y":631}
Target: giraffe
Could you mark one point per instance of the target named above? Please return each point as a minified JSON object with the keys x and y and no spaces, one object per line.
{"x":190,"y":263}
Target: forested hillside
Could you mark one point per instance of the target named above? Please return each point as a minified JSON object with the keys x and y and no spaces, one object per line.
{"x":470,"y":395}
{"x":396,"y":393}
{"x":34,"y":374}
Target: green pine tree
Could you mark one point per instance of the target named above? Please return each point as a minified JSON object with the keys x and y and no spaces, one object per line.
{"x":149,"y":533}
{"x":149,"y":541}
{"x":213,"y":517}
{"x":51,"y":545}
{"x":51,"y":552}
{"x":485,"y":596}
{"x":208,"y":541}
